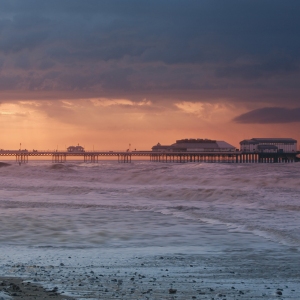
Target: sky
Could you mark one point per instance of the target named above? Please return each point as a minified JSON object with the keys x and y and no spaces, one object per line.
{"x":109,"y":73}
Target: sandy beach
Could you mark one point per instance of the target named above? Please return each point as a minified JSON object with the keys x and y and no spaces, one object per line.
{"x":117,"y":274}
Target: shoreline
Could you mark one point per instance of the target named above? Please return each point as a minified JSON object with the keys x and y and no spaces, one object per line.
{"x":116,"y":275}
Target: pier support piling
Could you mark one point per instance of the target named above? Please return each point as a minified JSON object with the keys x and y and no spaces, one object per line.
{"x":22,"y":158}
{"x":124,"y":158}
{"x":92,"y":158}
{"x":59,"y":158}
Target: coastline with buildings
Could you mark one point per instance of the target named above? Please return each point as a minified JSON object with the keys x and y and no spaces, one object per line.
{"x":255,"y":150}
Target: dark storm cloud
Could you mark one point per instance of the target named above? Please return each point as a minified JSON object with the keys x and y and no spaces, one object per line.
{"x":145,"y":47}
{"x":270,"y":115}
{"x":21,"y":41}
{"x":9,"y":82}
{"x":268,"y":68}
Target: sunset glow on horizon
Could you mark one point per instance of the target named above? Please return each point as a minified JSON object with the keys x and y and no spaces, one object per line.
{"x":112,"y":73}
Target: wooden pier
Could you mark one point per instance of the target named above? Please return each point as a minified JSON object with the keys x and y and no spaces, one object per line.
{"x":22,"y":156}
{"x":223,"y":157}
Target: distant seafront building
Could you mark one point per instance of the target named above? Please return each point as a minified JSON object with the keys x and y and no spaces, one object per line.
{"x":195,"y":145}
{"x":256,"y":150}
{"x":75,"y":148}
{"x":269,"y":145}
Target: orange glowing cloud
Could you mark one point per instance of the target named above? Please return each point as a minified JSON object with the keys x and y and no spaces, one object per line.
{"x":116,"y":77}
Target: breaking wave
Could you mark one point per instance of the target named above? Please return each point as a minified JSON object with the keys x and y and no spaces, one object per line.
{"x":262,"y":199}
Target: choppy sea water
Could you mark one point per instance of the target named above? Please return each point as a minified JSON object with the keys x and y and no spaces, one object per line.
{"x":144,"y":207}
{"x":142,"y":204}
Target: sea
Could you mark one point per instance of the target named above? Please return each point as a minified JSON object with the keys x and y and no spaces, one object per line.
{"x":99,"y":212}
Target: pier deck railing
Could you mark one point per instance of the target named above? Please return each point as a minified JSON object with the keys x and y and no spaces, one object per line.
{"x":58,"y":156}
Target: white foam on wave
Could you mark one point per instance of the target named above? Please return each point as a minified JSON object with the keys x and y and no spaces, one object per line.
{"x":267,"y":231}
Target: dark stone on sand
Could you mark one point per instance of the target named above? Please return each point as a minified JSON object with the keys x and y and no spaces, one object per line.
{"x":172,"y":291}
{"x":15,"y":287}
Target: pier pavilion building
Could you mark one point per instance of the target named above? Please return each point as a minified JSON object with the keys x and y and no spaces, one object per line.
{"x":195,"y":145}
{"x":75,"y":149}
{"x":269,"y":145}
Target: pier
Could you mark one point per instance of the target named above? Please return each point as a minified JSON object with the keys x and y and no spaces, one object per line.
{"x":224,"y":157}
{"x":23,"y":156}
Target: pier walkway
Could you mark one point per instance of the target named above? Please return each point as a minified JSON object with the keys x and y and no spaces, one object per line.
{"x":22,"y":156}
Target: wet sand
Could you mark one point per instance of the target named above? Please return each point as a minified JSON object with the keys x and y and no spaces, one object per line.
{"x":235,"y":275}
